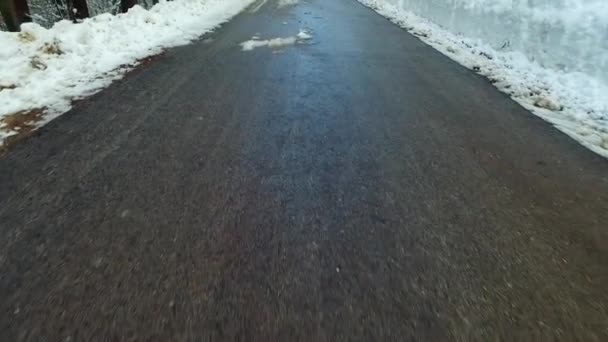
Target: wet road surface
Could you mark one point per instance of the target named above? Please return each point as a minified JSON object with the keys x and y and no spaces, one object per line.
{"x":360,"y":187}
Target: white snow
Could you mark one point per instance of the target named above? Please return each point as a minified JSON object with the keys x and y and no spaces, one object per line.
{"x":279,"y":42}
{"x":572,"y":97}
{"x":272,"y":43}
{"x":567,"y":35}
{"x":304,"y":35}
{"x":284,"y":3}
{"x":49,"y":68}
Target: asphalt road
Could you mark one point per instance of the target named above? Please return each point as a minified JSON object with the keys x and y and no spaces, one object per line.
{"x":361,"y":187}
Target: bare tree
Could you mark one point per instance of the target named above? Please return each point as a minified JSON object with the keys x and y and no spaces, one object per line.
{"x":48,"y":12}
{"x":14,"y":13}
{"x":126,"y":4}
{"x":79,"y":9}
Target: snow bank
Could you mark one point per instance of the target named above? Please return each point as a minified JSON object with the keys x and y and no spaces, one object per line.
{"x":550,"y":56}
{"x":49,"y":68}
{"x":567,"y":35}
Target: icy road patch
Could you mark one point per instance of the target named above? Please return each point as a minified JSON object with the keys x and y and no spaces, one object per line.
{"x":574,"y":102}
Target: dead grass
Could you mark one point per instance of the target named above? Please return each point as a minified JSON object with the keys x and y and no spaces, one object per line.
{"x":52,"y":48}
{"x":23,"y":123}
{"x":26,"y":37}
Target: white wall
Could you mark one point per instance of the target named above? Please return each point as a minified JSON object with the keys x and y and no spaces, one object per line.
{"x":570,"y":35}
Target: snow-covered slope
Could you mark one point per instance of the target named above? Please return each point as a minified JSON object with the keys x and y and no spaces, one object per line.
{"x":46,"y":70}
{"x":551,"y":56}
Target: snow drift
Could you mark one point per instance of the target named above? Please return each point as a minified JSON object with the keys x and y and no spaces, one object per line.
{"x":551,"y":56}
{"x":46,"y":69}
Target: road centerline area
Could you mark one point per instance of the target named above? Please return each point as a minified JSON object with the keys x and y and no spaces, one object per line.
{"x":346,"y":188}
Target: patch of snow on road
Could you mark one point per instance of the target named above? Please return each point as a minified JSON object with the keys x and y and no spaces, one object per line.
{"x":303,"y":35}
{"x":272,"y":43}
{"x":574,"y":102}
{"x":284,"y":3}
{"x":255,"y":42}
{"x":49,"y":68}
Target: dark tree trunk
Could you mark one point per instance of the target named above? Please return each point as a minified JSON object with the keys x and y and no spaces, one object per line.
{"x":126,"y":4}
{"x":80,"y":9}
{"x":15,"y":12}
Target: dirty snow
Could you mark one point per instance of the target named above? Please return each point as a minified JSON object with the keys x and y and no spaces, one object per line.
{"x":49,"y":68}
{"x":256,"y":42}
{"x":575,"y":102}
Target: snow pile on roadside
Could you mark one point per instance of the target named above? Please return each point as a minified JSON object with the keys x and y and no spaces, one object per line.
{"x":255,"y":42}
{"x":574,"y":102}
{"x":567,"y":35}
{"x":48,"y":69}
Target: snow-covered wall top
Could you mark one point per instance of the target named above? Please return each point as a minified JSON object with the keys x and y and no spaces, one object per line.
{"x":570,"y":35}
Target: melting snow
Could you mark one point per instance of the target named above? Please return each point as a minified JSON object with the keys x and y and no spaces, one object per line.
{"x":272,"y":43}
{"x":303,"y":35}
{"x":255,"y":42}
{"x":283,"y":3}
